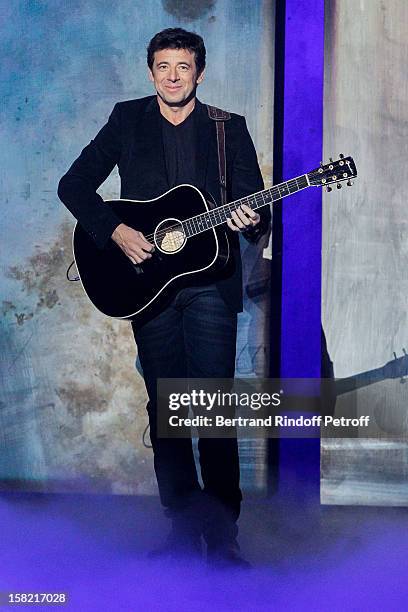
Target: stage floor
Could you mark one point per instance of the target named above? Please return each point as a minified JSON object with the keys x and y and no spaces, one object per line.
{"x":305,"y":556}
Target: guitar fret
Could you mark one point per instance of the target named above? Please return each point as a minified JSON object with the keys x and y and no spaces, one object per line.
{"x":220,"y":214}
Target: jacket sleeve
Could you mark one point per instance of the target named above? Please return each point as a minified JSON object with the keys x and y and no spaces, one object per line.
{"x":77,"y":188}
{"x":247,"y":179}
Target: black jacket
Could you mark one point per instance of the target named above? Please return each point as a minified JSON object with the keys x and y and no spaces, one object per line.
{"x":132,"y":140}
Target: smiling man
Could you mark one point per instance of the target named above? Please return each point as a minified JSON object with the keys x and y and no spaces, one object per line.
{"x":175,"y":77}
{"x":159,"y":142}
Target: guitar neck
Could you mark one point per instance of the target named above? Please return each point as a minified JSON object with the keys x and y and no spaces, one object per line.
{"x":218,"y":216}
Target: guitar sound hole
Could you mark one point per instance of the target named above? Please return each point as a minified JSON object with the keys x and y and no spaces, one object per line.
{"x":169,"y":236}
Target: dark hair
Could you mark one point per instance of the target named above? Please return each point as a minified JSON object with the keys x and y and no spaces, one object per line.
{"x":177,"y":38}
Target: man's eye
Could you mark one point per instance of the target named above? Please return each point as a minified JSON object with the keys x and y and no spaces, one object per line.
{"x":183,"y":68}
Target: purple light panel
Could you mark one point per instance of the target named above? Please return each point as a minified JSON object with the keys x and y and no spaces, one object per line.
{"x":301,"y":216}
{"x":302,"y":225}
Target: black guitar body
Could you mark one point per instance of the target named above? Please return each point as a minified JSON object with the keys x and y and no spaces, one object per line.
{"x":122,"y":290}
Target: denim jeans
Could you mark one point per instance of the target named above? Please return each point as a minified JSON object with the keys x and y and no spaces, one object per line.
{"x":194,"y":337}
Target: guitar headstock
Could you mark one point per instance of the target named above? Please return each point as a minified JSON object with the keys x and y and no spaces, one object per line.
{"x":397,"y":368}
{"x":343,"y":169}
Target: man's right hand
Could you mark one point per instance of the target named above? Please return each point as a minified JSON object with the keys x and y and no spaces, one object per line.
{"x":132,"y":243}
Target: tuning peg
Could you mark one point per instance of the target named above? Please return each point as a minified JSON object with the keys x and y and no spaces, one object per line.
{"x":349,"y":183}
{"x":341,"y":156}
{"x":328,"y":189}
{"x":338,"y":185}
{"x":331,"y":160}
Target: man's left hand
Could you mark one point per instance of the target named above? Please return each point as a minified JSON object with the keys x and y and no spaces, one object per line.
{"x":243,"y":218}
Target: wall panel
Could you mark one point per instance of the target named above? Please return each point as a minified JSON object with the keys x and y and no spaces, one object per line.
{"x":365,"y":254}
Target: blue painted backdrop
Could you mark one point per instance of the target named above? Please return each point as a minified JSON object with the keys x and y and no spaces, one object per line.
{"x":72,"y":406}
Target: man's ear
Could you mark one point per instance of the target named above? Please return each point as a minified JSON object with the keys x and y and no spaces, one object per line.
{"x":150,"y":75}
{"x":200,"y":79}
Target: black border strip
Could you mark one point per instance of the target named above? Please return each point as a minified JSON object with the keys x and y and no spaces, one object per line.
{"x":277,"y":229}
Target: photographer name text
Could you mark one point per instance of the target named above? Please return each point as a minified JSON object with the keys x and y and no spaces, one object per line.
{"x":269,"y":421}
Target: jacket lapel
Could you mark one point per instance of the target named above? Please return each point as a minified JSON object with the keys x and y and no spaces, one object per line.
{"x":151,"y":151}
{"x":204,"y":131}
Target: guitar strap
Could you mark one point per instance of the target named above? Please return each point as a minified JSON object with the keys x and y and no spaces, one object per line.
{"x":220,"y":116}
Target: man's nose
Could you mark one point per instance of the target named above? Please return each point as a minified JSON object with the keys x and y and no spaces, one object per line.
{"x":173,"y":76}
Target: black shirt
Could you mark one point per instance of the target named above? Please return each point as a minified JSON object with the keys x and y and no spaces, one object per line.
{"x":179,"y":143}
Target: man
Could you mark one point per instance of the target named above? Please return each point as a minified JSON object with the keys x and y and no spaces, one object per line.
{"x":159,"y":142}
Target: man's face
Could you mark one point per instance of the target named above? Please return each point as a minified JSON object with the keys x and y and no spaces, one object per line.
{"x":174,"y":75}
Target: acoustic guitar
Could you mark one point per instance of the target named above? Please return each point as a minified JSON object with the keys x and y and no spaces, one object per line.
{"x":189,"y":235}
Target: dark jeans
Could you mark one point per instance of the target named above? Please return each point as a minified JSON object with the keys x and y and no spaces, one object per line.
{"x":194,"y":337}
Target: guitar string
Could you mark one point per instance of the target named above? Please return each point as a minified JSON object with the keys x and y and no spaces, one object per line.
{"x":309,"y":177}
{"x":235,"y":205}
{"x":212,"y":217}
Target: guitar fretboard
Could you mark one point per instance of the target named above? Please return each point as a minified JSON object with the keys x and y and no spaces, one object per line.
{"x":218,"y":216}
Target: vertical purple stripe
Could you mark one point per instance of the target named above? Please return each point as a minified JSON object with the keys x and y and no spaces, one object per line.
{"x":301,"y":216}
